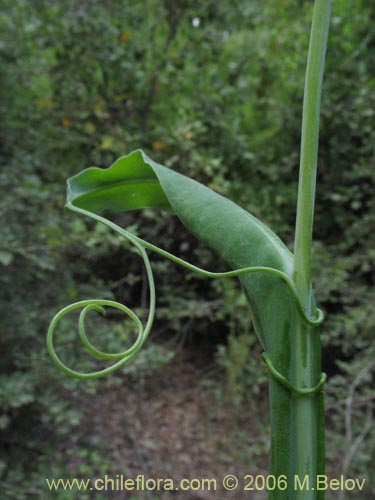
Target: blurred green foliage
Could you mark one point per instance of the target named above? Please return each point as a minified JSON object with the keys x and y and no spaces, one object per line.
{"x":213,"y":90}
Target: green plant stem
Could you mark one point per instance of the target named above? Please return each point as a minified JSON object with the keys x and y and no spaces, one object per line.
{"x":297,"y":422}
{"x":309,"y":147}
{"x":308,"y":412}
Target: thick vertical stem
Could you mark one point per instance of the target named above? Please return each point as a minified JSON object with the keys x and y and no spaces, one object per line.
{"x":307,"y":412}
{"x":297,"y":422}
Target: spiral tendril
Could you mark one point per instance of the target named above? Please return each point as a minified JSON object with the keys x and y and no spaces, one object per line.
{"x":143,"y":331}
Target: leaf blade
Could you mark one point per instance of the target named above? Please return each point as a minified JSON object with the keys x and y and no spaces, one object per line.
{"x":135,"y":181}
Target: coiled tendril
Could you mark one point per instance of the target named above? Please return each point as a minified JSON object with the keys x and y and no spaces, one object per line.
{"x":143,"y":331}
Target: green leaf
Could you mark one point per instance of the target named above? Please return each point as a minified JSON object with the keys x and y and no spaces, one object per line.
{"x":241,"y":240}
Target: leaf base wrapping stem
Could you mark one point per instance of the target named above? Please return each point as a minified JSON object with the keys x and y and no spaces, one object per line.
{"x":297,"y":417}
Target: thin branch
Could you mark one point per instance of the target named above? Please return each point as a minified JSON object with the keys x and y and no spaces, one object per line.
{"x":354,"y":447}
{"x":349,"y":399}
